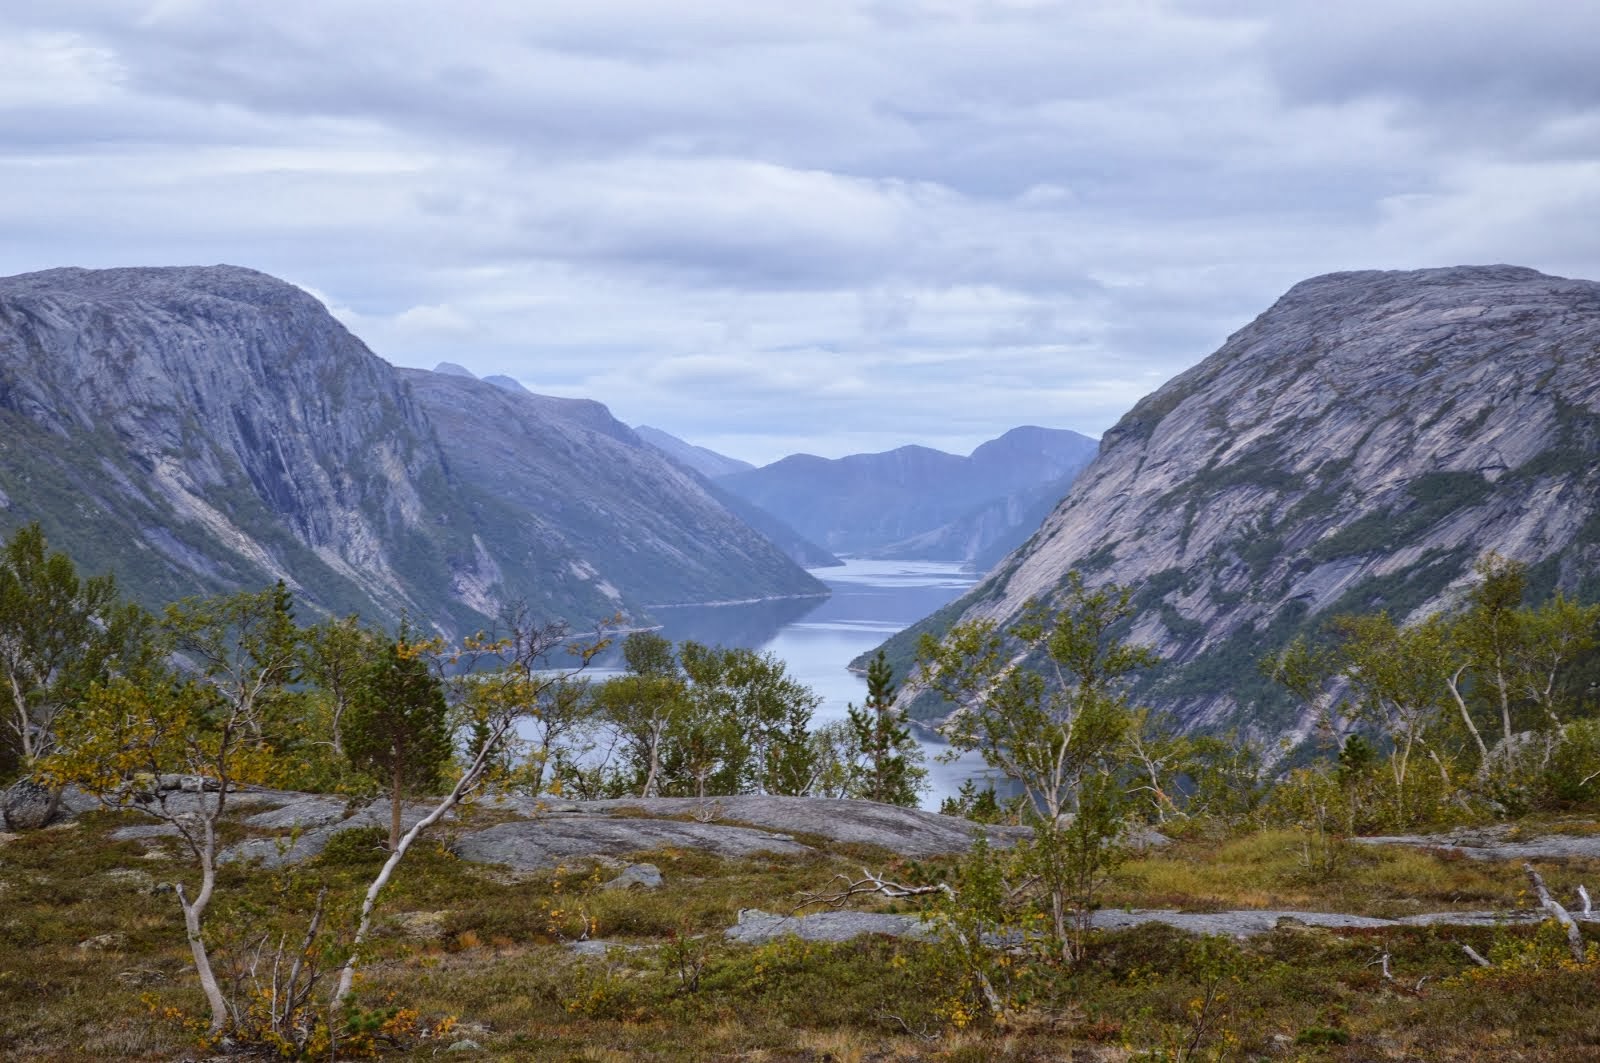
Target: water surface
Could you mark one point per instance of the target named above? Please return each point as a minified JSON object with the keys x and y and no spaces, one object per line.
{"x":818,"y":637}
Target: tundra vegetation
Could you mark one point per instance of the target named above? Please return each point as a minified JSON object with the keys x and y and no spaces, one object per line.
{"x":136,"y":944}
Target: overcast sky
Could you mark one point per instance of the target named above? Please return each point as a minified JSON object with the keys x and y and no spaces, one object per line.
{"x":828,"y":226}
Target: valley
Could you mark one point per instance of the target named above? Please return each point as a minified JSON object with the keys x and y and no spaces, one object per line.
{"x":1275,"y":736}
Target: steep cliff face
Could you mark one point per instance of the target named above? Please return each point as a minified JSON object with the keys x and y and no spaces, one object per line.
{"x":916,"y":501}
{"x":205,"y":429}
{"x":1355,"y":448}
{"x":616,"y":512}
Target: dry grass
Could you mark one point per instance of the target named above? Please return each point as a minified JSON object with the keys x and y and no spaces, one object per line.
{"x":500,"y":965}
{"x":1269,"y":870}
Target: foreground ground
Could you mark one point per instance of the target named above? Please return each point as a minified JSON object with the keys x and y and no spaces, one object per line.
{"x":93,"y":964}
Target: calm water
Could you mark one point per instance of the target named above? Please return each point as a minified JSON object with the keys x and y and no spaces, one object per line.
{"x":818,"y":637}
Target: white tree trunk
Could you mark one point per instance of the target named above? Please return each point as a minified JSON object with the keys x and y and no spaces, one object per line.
{"x":1553,"y":906}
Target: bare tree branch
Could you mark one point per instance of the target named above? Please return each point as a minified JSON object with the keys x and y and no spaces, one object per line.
{"x":1553,"y":906}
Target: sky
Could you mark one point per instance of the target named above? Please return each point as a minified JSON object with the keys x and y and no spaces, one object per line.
{"x":831,"y":227}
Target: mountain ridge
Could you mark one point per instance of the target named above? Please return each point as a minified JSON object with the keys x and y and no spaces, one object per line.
{"x":915,"y":501}
{"x":1355,"y":447}
{"x":203,"y":429}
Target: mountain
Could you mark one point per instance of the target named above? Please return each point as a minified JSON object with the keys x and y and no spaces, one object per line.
{"x":702,"y":460}
{"x":199,"y":430}
{"x":618,"y":513}
{"x":915,"y":501}
{"x":1355,"y":448}
{"x":707,"y":465}
{"x":801,"y":551}
{"x":504,"y":383}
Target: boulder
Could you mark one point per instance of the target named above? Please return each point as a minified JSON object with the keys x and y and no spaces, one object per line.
{"x":29,"y":806}
{"x":636,"y":876}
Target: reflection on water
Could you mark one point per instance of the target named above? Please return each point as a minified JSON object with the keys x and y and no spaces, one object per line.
{"x":818,"y":637}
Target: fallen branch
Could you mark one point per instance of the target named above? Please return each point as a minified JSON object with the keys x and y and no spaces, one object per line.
{"x":868,"y":884}
{"x":906,"y":1027}
{"x":1553,"y":906}
{"x":1475,"y":956}
{"x":1383,"y":965}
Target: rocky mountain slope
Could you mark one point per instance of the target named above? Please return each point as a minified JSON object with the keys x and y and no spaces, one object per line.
{"x":204,"y":429}
{"x":707,"y":465}
{"x":1357,"y":447}
{"x":613,"y":510}
{"x":916,"y":501}
{"x":702,"y":460}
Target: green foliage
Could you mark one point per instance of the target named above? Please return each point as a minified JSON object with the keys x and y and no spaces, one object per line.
{"x":704,"y":721}
{"x":1059,"y":736}
{"x":1044,"y":729}
{"x":1432,"y":497}
{"x":892,"y":771}
{"x":58,"y":635}
{"x":397,"y":728}
{"x":980,"y":806}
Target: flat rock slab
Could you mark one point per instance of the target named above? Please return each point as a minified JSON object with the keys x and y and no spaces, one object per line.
{"x":636,"y":876}
{"x":756,"y":927}
{"x":325,"y":816}
{"x":559,"y":831}
{"x":546,"y":843}
{"x":303,"y":811}
{"x":1486,"y":845}
{"x":903,"y":831}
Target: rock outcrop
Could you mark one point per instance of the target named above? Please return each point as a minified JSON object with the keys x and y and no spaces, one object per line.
{"x":543,"y":833}
{"x":199,"y":430}
{"x":1357,"y":447}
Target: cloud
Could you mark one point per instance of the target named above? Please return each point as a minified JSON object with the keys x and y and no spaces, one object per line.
{"x":843,"y":224}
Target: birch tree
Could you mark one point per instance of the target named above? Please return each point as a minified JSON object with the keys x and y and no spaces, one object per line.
{"x":176,"y":745}
{"x":1049,"y":709}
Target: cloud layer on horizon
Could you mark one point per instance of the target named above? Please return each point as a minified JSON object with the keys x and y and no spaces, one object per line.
{"x":831,"y":227}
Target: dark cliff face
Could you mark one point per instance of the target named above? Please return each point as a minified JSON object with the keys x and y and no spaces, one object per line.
{"x":915,"y":501}
{"x":204,"y":429}
{"x":1357,"y":447}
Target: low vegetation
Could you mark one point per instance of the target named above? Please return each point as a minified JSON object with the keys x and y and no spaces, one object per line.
{"x":148,"y":944}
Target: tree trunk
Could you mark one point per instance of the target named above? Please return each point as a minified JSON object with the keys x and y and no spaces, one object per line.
{"x":396,"y":807}
{"x":1454,"y":685}
{"x":469,"y":779}
{"x":192,"y":915}
{"x":1551,"y":905}
{"x":24,"y":722}
{"x":651,"y":786}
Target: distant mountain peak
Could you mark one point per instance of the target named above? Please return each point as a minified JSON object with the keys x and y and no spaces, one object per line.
{"x":702,"y":460}
{"x":916,"y":502}
{"x":506,"y":383}
{"x":452,"y":369}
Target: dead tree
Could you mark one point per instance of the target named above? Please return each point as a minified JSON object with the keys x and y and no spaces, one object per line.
{"x":1560,"y":914}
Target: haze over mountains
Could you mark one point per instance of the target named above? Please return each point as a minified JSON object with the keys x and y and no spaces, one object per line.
{"x":1355,"y":448}
{"x":204,"y":429}
{"x":918,"y":503}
